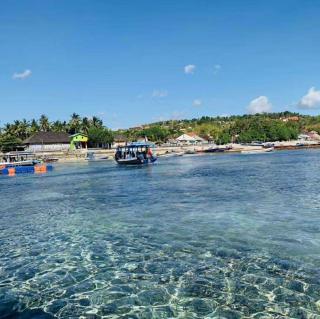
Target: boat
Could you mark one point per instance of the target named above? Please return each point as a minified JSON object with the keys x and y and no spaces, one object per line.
{"x":214,"y":150}
{"x":136,"y":153}
{"x":258,"y":151}
{"x":190,"y":152}
{"x":50,"y":159}
{"x":173,"y":154}
{"x":301,"y":144}
{"x":13,"y":159}
{"x":22,"y":163}
{"x":91,"y":157}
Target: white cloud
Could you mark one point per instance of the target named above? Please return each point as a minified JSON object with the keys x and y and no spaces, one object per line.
{"x":23,"y":75}
{"x":216,"y":68}
{"x":189,"y":69}
{"x":259,"y":105}
{"x":159,"y":93}
{"x":311,"y":100}
{"x":197,"y":102}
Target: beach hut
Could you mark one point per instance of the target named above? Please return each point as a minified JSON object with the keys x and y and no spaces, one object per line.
{"x":78,"y":141}
{"x":47,"y":141}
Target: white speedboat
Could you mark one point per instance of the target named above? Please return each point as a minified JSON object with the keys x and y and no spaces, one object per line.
{"x":173,"y":154}
{"x":13,"y":159}
{"x":258,"y":151}
{"x":91,"y":157}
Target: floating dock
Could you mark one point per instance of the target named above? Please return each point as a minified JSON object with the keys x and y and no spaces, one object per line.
{"x":36,"y":169}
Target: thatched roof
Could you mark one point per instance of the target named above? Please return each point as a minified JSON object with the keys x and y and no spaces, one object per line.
{"x":48,"y":138}
{"x":120,"y":138}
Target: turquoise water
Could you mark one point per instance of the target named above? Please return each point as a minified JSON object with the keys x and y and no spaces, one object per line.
{"x":221,"y":236}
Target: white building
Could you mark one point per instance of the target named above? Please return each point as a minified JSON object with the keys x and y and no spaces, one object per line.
{"x":190,"y":139}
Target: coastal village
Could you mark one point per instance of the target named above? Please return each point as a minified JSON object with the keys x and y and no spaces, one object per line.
{"x":48,"y":144}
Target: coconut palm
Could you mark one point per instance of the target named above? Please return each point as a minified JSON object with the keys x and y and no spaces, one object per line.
{"x":58,"y":126}
{"x":97,"y":122}
{"x":75,"y":123}
{"x":44,"y":123}
{"x":85,"y":125}
{"x":34,"y":126}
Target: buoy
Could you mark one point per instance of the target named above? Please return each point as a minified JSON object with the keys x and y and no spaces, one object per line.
{"x":11,"y":171}
{"x":40,"y":169}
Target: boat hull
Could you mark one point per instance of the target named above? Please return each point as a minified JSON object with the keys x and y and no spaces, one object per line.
{"x":19,"y":163}
{"x":214,"y":150}
{"x":258,"y":151}
{"x":136,"y":161}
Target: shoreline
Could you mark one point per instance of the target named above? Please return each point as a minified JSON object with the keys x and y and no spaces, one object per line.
{"x":80,"y":155}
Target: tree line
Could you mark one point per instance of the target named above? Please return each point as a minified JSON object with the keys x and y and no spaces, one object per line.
{"x":13,"y":134}
{"x":265,"y":127}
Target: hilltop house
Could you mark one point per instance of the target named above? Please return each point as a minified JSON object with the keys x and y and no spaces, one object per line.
{"x":48,"y":141}
{"x":290,"y":119}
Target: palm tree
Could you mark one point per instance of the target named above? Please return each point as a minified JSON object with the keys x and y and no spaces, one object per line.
{"x":96,"y":121}
{"x":75,"y":123}
{"x":23,"y":129}
{"x":34,"y":126}
{"x":44,"y":123}
{"x":85,"y":125}
{"x":8,"y":129}
{"x":58,"y":126}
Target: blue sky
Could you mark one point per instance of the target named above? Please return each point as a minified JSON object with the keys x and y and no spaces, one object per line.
{"x":133,"y":62}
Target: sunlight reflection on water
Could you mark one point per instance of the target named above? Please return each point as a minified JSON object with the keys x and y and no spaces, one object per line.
{"x":227,"y":236}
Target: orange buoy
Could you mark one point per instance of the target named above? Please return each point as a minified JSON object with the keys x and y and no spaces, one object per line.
{"x":11,"y":171}
{"x":40,"y":169}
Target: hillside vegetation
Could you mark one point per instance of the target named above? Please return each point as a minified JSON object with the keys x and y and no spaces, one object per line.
{"x":241,"y":128}
{"x":238,"y":128}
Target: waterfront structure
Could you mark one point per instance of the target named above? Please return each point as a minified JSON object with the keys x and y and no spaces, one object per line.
{"x":190,"y":139}
{"x":47,"y":141}
{"x":78,"y":141}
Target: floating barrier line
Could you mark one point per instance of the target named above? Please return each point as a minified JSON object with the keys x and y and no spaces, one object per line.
{"x":37,"y":169}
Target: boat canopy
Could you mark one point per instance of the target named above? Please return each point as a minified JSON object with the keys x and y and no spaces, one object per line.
{"x":19,"y":153}
{"x":138,"y":144}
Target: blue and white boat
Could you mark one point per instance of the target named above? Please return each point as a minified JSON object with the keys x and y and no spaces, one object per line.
{"x":136,"y":153}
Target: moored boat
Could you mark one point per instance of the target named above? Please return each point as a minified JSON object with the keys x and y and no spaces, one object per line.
{"x":13,"y":159}
{"x":173,"y":154}
{"x":21,"y":163}
{"x":190,"y":152}
{"x":214,"y":150}
{"x":258,"y":151}
{"x":92,"y":157}
{"x":135,"y":154}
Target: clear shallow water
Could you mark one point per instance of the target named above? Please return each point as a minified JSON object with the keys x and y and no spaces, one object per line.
{"x":227,"y":236}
